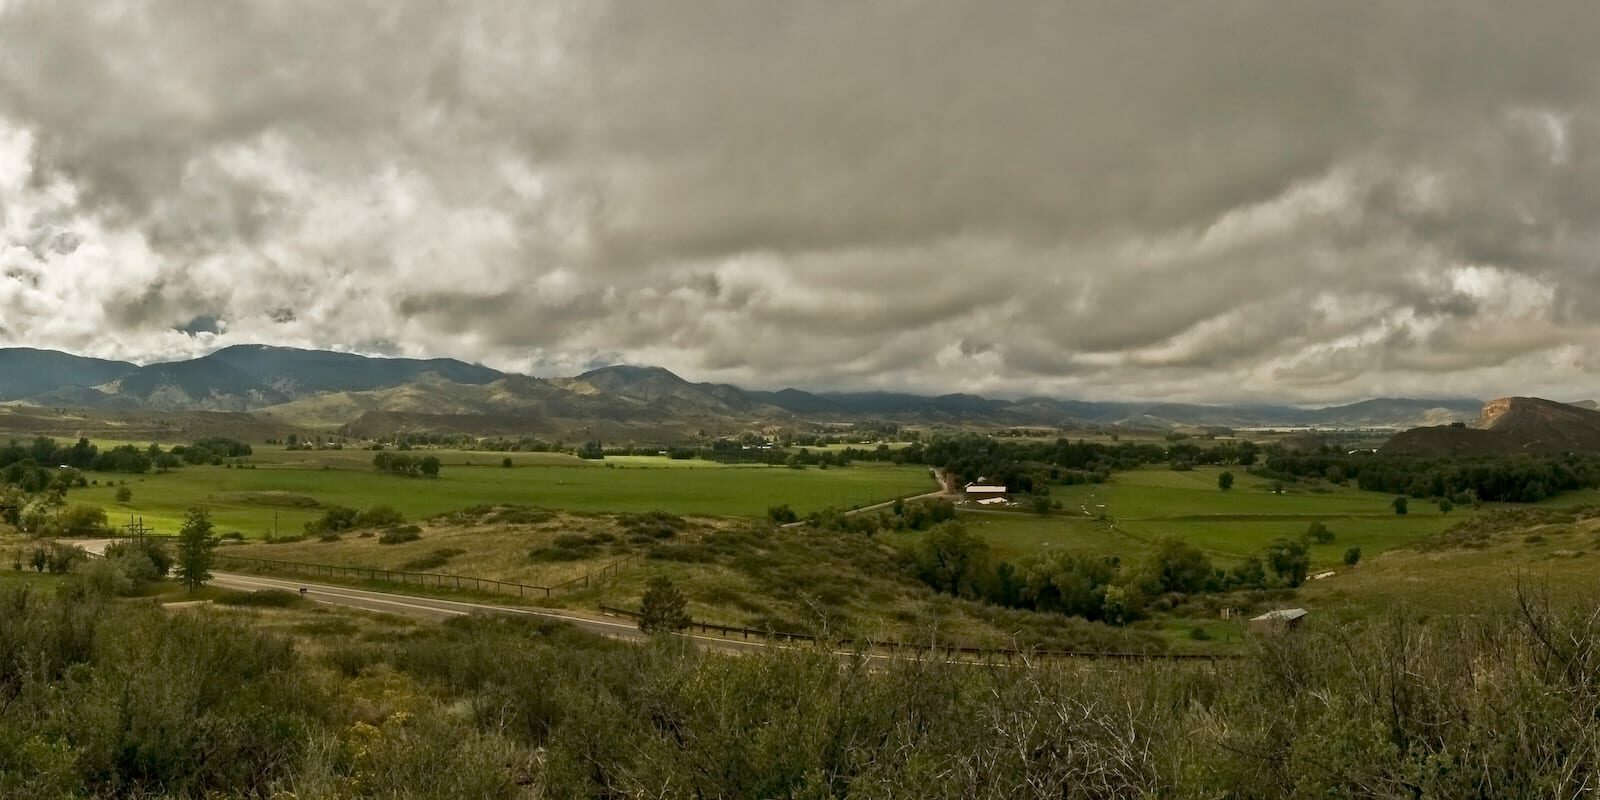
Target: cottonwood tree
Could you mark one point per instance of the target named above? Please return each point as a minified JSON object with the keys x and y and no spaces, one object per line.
{"x":952,"y":559}
{"x":196,"y":546}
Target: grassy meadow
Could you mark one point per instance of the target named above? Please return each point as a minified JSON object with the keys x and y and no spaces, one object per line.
{"x":1126,"y":514}
{"x":293,"y":487}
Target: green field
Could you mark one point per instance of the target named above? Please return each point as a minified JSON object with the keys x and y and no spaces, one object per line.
{"x":247,"y":500}
{"x":1142,"y":505}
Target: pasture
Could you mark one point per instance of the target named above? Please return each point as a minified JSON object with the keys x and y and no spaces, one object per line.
{"x":1124,"y":515}
{"x":291,"y":488}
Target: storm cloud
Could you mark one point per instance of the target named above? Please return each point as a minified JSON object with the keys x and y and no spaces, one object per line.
{"x":1242,"y":201}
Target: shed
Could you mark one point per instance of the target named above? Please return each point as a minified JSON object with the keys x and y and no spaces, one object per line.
{"x":1278,"y":620}
{"x":985,"y":488}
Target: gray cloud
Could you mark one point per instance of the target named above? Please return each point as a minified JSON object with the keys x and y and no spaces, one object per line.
{"x":1243,"y":201}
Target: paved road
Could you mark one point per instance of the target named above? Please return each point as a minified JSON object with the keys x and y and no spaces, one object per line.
{"x":435,"y":609}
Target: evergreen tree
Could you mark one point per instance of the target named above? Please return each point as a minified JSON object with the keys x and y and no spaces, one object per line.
{"x":664,"y":609}
{"x":195,"y":548}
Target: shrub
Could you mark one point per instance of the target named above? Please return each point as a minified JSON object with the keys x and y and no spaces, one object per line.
{"x":380,"y":516}
{"x":656,"y":524}
{"x":1319,"y":533}
{"x":143,"y":559}
{"x":408,"y":533}
{"x":433,"y":560}
{"x":262,"y":598}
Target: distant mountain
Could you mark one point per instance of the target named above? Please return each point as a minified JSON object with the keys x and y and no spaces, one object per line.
{"x":329,"y":390}
{"x":244,"y":378}
{"x":1508,"y":426}
{"x":298,"y":373}
{"x":25,"y":372}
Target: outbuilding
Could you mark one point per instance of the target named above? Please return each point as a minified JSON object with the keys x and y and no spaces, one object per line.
{"x":1282,"y":619}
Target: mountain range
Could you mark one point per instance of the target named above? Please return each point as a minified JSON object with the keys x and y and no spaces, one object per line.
{"x":328,"y":390}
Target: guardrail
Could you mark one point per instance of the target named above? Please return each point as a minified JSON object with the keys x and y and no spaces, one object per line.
{"x":434,"y":580}
{"x":986,"y":653}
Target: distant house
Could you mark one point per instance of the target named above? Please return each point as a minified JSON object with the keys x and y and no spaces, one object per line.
{"x":1282,"y":619}
{"x":991,"y":501}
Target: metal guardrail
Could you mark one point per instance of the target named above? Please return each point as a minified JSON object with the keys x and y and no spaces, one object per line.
{"x":730,"y":631}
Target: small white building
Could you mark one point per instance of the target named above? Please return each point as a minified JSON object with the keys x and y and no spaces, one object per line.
{"x":985,"y":489}
{"x":1279,"y":620}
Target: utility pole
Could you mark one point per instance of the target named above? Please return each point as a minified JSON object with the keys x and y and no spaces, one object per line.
{"x":136,"y":527}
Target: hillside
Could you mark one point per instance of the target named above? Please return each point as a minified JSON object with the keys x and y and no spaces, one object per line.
{"x":25,"y":372}
{"x":1507,"y":426}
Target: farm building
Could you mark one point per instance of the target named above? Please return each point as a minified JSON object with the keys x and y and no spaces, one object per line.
{"x":982,"y":489}
{"x":1279,"y":620}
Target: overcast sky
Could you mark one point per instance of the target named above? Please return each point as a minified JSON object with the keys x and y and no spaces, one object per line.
{"x":1213,"y":201}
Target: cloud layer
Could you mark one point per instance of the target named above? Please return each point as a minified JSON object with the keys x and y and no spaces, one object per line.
{"x":1242,"y":201}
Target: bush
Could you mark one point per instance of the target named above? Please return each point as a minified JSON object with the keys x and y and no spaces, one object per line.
{"x":142,"y":560}
{"x":408,"y":533}
{"x":380,"y":517}
{"x":1319,"y":533}
{"x":433,"y":560}
{"x":656,"y":524}
{"x":262,"y":598}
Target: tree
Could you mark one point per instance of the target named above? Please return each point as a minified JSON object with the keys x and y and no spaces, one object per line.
{"x":664,"y":608}
{"x":1249,"y":572}
{"x":1288,"y":560}
{"x":82,"y":519}
{"x":782,"y":515}
{"x":1400,"y":504}
{"x":1041,"y":504}
{"x":950,"y":558}
{"x":1445,"y":505}
{"x":1352,"y":556}
{"x":1177,"y":566}
{"x":196,"y":546}
{"x":124,"y":495}
{"x":1225,"y":481}
{"x":429,"y":466}
{"x":506,"y":462}
{"x":1277,"y":487}
{"x":1319,"y":533}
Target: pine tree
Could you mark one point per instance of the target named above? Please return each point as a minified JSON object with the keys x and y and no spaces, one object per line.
{"x":664,"y":608}
{"x":195,"y":546}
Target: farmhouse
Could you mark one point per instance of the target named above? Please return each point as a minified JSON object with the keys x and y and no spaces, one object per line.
{"x":1282,"y":619}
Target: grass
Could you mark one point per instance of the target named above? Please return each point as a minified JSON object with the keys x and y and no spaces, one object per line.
{"x":252,"y":501}
{"x":1143,"y":505}
{"x":1559,"y":559}
{"x":732,"y":572}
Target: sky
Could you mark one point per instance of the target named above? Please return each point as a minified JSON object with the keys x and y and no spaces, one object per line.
{"x":1199,"y":201}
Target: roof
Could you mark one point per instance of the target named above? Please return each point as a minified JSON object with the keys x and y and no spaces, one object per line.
{"x":981,"y":488}
{"x":1281,"y":615}
{"x":989,"y":501}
